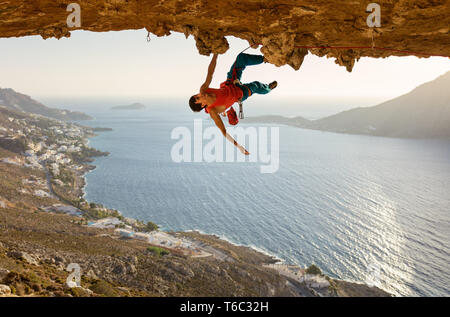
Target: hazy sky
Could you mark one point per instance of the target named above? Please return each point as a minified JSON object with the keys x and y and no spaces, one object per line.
{"x":124,"y":64}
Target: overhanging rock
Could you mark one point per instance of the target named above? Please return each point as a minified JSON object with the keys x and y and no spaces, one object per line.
{"x":287,"y":29}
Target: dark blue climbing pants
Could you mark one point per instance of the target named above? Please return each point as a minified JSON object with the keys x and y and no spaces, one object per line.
{"x":242,"y":61}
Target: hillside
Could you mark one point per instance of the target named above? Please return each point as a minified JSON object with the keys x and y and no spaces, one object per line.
{"x":17,"y":101}
{"x":422,"y":113}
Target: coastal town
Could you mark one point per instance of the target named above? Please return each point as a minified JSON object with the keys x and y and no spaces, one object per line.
{"x":39,"y":152}
{"x":57,"y":148}
{"x":60,"y":150}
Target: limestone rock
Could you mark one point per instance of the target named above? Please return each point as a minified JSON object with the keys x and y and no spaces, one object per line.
{"x":119,"y":269}
{"x":181,"y":269}
{"x":316,"y":281}
{"x":19,"y":255}
{"x":281,"y":26}
{"x":3,"y":274}
{"x":58,"y":260}
{"x":5,"y":290}
{"x":131,"y":269}
{"x":90,"y":274}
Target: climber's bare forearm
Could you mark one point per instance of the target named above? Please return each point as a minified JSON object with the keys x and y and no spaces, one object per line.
{"x":219,"y":123}
{"x":235,"y":143}
{"x":230,"y":138}
{"x":209,"y":76}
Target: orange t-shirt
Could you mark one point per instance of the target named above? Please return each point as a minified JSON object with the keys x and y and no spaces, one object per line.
{"x":226,"y":96}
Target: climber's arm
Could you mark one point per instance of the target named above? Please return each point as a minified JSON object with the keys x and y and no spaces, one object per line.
{"x":219,"y":123}
{"x":211,"y":69}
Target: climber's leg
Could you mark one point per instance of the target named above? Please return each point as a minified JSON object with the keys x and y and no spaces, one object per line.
{"x":257,"y":87}
{"x":241,"y":62}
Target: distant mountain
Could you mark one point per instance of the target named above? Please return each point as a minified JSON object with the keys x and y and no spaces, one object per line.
{"x":134,"y":106}
{"x":17,"y":101}
{"x":422,"y":113}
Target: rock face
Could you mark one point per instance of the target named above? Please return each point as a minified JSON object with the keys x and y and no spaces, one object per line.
{"x":24,"y":257}
{"x":281,"y":26}
{"x":3,"y":273}
{"x":5,"y":290}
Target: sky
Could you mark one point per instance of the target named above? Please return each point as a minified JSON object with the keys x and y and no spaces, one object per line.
{"x":124,"y":65}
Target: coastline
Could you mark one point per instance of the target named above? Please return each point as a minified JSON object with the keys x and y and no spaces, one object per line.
{"x":128,"y":257}
{"x":225,"y":239}
{"x":215,"y":235}
{"x":278,"y":264}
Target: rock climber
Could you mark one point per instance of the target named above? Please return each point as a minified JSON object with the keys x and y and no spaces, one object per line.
{"x":217,"y":101}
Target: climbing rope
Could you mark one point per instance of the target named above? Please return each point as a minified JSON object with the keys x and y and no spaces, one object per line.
{"x":241,"y":110}
{"x":246,"y":49}
{"x":371,"y":34}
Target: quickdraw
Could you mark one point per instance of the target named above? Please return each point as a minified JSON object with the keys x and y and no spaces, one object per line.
{"x":241,"y":110}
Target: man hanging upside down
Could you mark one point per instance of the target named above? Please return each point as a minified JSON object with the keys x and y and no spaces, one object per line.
{"x":217,"y":101}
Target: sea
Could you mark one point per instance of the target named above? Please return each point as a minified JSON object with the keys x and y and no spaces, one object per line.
{"x":365,"y":209}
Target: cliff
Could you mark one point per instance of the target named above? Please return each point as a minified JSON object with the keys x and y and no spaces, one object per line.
{"x":283,"y":27}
